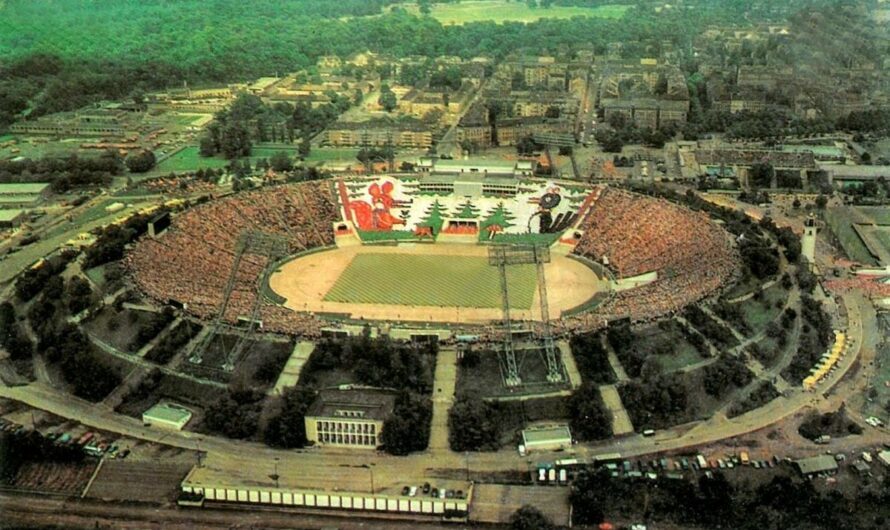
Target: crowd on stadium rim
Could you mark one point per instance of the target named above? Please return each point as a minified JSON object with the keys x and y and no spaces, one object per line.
{"x":191,"y":264}
{"x":632,"y":234}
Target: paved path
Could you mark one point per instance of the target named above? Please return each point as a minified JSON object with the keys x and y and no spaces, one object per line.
{"x":621,"y":423}
{"x":568,"y":360}
{"x":620,"y":374}
{"x":443,"y":398}
{"x":153,"y":342}
{"x":111,"y":350}
{"x":291,"y":372}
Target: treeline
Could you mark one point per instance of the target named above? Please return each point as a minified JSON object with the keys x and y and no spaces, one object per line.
{"x":62,"y":343}
{"x":12,"y":338}
{"x":714,"y":502}
{"x":65,"y":173}
{"x":249,"y":120}
{"x":113,"y":240}
{"x":116,"y":58}
{"x":815,"y":338}
{"x":17,"y":449}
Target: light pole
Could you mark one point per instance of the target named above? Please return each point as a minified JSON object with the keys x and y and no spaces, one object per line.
{"x":274,"y":476}
{"x":370,"y":473}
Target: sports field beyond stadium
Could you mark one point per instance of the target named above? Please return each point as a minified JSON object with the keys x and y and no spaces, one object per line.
{"x":427,"y":282}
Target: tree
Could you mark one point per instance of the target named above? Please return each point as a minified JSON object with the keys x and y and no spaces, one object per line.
{"x":473,"y":425}
{"x":287,"y":428}
{"x":207,"y":147}
{"x":280,"y":161}
{"x":761,"y":174}
{"x":235,"y":141}
{"x":408,"y":428}
{"x":527,"y":146}
{"x":141,"y":161}
{"x":529,"y":518}
{"x":387,"y":98}
{"x":305,"y":147}
{"x":821,"y":201}
{"x":589,"y":418}
{"x":610,"y":141}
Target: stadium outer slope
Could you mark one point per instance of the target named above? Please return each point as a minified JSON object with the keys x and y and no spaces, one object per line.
{"x":190,"y":264}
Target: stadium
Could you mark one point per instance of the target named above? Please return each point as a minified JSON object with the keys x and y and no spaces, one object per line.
{"x":459,"y":257}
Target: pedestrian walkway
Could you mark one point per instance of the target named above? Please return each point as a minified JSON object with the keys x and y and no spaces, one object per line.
{"x":443,"y":398}
{"x":620,"y":374}
{"x":290,"y":375}
{"x":568,"y":360}
{"x":621,"y":423}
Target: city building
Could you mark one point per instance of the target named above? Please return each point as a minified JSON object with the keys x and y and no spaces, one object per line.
{"x":406,"y":133}
{"x":349,"y":417}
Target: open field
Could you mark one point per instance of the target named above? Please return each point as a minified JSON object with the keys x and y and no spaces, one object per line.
{"x":500,"y":11}
{"x":189,"y":159}
{"x":464,"y":281}
{"x":309,"y":283}
{"x":841,"y":221}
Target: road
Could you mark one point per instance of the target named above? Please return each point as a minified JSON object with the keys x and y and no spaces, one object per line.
{"x":240,"y":461}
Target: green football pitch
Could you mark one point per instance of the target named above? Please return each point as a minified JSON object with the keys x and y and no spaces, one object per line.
{"x":429,"y":280}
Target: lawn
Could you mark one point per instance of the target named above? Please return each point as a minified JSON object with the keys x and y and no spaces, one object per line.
{"x":841,"y":220}
{"x":759,"y":313}
{"x":455,"y":281}
{"x":500,"y":11}
{"x":188,"y":159}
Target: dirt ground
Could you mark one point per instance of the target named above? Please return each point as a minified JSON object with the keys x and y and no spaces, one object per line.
{"x":305,"y":281}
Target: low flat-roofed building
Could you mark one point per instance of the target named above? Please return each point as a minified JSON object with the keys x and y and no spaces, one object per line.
{"x":547,"y":438}
{"x":844,"y":172}
{"x":167,"y":415}
{"x":25,"y":194}
{"x":349,"y":417}
{"x":816,"y":464}
{"x":469,"y":184}
{"x":11,"y":218}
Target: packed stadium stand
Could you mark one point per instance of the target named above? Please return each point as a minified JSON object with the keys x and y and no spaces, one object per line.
{"x":192,"y":262}
{"x":636,"y":234}
{"x":631,"y":234}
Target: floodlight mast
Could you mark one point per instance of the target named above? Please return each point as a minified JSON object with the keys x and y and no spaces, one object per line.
{"x":502,"y":256}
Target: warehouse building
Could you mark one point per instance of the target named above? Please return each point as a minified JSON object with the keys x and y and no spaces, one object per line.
{"x":11,"y":218}
{"x":23,"y":194}
{"x":816,"y":465}
{"x":349,"y":417}
{"x":547,"y":438}
{"x":167,"y":415}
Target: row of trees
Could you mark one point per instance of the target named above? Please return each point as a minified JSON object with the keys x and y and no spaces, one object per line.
{"x":715,"y":502}
{"x":66,"y":173}
{"x":119,"y":60}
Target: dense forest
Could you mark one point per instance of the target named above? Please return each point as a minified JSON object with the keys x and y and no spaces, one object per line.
{"x":56,"y":58}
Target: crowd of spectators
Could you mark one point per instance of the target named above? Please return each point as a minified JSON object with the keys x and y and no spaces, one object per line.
{"x":633,"y":235}
{"x":191,"y":263}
